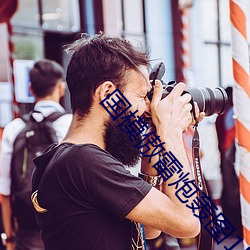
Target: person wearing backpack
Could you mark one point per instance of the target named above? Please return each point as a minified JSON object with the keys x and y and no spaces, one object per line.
{"x":23,"y":139}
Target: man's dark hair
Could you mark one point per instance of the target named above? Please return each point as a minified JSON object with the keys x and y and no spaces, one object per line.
{"x":44,"y":76}
{"x":97,"y":59}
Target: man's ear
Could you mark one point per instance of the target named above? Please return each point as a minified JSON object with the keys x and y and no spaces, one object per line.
{"x":62,"y":88}
{"x":31,"y":90}
{"x":104,"y":90}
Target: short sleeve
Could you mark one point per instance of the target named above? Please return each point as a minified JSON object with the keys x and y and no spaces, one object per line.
{"x":10,"y":133}
{"x":61,"y":126}
{"x":107,"y":183}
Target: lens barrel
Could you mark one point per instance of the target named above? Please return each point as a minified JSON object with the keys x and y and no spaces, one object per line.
{"x":210,"y":101}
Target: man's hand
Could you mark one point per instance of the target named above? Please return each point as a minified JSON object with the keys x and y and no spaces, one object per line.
{"x":159,"y":211}
{"x":199,"y":115}
{"x":10,"y":246}
{"x":173,"y":113}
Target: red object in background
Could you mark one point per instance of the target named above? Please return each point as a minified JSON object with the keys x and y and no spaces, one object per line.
{"x":1,"y":133}
{"x":7,"y":9}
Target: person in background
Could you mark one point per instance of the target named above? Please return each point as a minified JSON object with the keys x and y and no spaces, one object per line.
{"x":2,"y":247}
{"x":225,"y":126}
{"x":210,"y":159}
{"x":47,"y":86}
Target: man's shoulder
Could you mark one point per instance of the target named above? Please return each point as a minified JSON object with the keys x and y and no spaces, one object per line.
{"x":18,"y":122}
{"x":94,"y":156}
{"x":80,"y":151}
{"x":94,"y":159}
{"x":63,"y":121}
{"x":91,"y":151}
{"x":13,"y":128}
{"x":82,"y":158}
{"x":64,"y":117}
{"x":70,"y":157}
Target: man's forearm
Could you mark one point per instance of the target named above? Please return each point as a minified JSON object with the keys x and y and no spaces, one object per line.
{"x":173,"y":143}
{"x":7,"y":215}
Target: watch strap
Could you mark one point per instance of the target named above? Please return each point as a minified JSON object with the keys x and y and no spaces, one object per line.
{"x":153,"y":180}
{"x":6,"y":239}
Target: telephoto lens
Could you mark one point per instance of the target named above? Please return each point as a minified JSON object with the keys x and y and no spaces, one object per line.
{"x":210,"y":101}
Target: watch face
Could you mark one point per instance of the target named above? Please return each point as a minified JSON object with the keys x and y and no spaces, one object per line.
{"x":3,"y":237}
{"x":6,"y":239}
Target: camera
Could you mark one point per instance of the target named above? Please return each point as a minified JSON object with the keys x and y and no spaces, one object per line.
{"x":210,"y":101}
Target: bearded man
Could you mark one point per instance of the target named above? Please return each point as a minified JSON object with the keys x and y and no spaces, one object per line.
{"x":84,"y":196}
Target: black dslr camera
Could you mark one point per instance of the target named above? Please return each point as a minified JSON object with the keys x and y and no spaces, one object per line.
{"x":210,"y":101}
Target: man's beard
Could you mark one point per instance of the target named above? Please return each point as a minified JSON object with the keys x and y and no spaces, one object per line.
{"x":118,"y":142}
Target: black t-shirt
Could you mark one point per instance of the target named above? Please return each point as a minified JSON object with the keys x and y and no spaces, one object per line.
{"x":88,"y":194}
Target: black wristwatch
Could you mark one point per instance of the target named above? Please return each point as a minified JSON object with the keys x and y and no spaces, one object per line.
{"x":151,"y":179}
{"x":6,"y":239}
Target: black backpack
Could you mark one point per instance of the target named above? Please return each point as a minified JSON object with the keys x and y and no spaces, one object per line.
{"x":37,"y":135}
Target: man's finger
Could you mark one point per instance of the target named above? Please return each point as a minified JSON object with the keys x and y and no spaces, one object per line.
{"x":199,"y":115}
{"x":157,"y":93}
{"x":197,"y":111}
{"x":177,"y":90}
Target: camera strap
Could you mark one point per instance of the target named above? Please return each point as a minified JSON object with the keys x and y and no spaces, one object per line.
{"x":205,"y":240}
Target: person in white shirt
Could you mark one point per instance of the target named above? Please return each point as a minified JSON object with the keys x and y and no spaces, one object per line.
{"x":48,"y":86}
